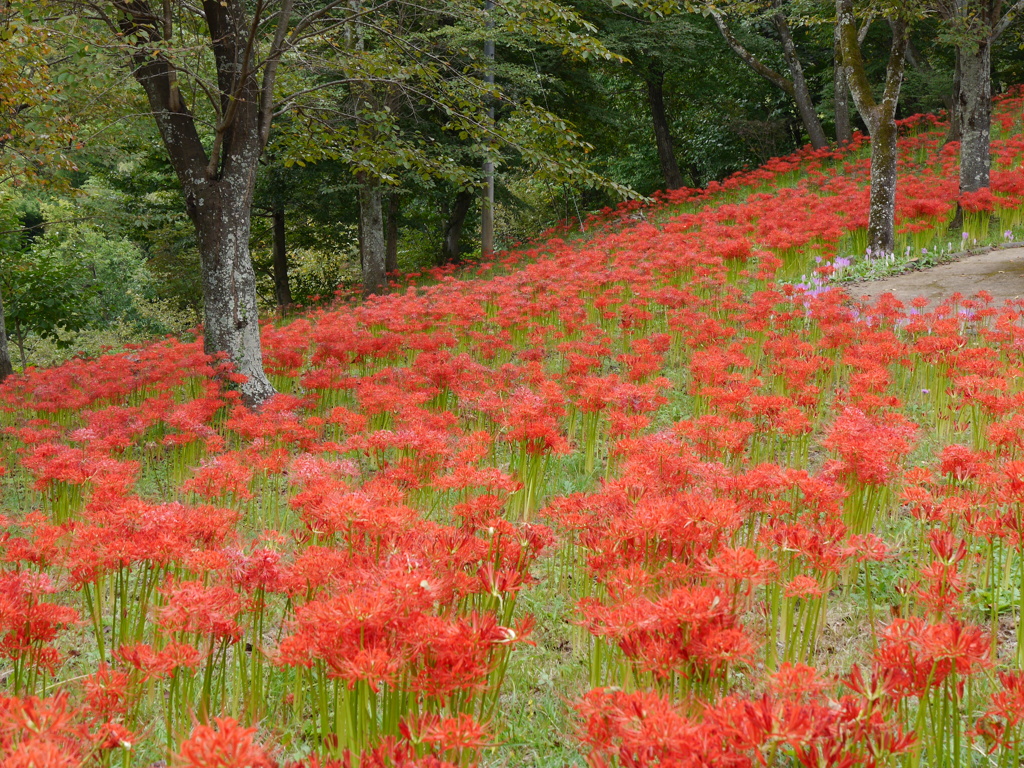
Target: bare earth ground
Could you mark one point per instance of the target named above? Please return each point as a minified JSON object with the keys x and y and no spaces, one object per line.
{"x":1000,"y":272}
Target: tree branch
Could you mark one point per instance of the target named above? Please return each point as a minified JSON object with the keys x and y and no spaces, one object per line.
{"x":749,"y":59}
{"x":1006,"y":20}
{"x":853,"y":62}
{"x":270,"y":71}
{"x":896,"y":67}
{"x":863,"y":33}
{"x":157,"y":77}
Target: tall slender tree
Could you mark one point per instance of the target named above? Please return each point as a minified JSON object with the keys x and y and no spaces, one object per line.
{"x":844,"y":125}
{"x":655,"y":81}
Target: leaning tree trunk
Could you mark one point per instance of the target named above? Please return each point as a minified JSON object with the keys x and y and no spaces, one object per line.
{"x":844,"y":126}
{"x":801,"y":93}
{"x":974,"y":110}
{"x":882,"y":217}
{"x":662,"y":137}
{"x":282,"y":287}
{"x":372,"y":247}
{"x":453,"y":228}
{"x":796,"y":87}
{"x":6,"y":369}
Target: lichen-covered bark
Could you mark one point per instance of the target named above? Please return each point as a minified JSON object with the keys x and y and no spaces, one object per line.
{"x":882,"y":217}
{"x":221,"y":214}
{"x":974,"y":112}
{"x":6,"y":369}
{"x":373,"y":249}
{"x":844,"y":126}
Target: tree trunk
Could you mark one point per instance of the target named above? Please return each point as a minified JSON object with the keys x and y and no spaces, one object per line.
{"x":974,"y":113}
{"x":217,"y":180}
{"x":801,"y":93}
{"x":880,"y":117}
{"x":391,"y":234}
{"x":662,"y":137}
{"x":282,"y":288}
{"x":452,"y":250}
{"x":882,"y":217}
{"x":230,"y":312}
{"x":372,"y":248}
{"x":844,"y":126}
{"x":19,"y":339}
{"x":953,"y":134}
{"x":6,"y":369}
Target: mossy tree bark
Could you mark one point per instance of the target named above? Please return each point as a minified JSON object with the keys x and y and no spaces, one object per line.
{"x":982,"y":23}
{"x":880,"y":117}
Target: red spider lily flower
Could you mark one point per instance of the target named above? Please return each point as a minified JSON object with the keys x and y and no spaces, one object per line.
{"x":869,"y":547}
{"x":796,"y":681}
{"x":227,"y":745}
{"x":947,"y":547}
{"x":50,"y":732}
{"x":960,"y":462}
{"x":742,"y":564}
{"x":229,"y":473}
{"x":155,"y":666}
{"x":27,"y":623}
{"x":871,"y":448}
{"x":998,"y":725}
{"x":195,"y":608}
{"x":112,"y":735}
{"x":981,"y":200}
{"x":444,"y":734}
{"x":917,"y":656}
{"x":106,"y":692}
{"x":804,"y":586}
{"x":54,"y":462}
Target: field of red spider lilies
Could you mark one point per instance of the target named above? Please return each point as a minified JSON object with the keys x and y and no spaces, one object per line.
{"x":784,"y":528}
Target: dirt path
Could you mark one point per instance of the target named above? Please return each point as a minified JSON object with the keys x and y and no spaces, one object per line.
{"x":1000,"y":272}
